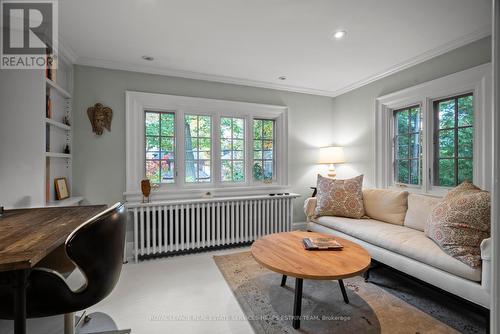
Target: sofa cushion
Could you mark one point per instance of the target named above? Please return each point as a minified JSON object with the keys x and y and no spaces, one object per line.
{"x":460,"y":222}
{"x":340,"y":197}
{"x":402,"y":240}
{"x":419,"y":209}
{"x":386,"y":205}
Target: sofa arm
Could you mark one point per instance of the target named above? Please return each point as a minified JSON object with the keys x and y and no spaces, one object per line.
{"x":486,"y":266}
{"x":310,"y":208}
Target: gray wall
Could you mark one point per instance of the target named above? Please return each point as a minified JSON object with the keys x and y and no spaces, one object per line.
{"x":354,"y":112}
{"x":314,"y":121}
{"x":99,"y":162}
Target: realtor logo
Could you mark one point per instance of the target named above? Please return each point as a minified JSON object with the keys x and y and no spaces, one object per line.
{"x":29,"y":34}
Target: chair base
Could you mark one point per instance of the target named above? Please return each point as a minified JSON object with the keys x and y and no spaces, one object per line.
{"x":71,"y":328}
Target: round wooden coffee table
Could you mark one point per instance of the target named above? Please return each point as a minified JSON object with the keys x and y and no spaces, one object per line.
{"x":284,"y":253}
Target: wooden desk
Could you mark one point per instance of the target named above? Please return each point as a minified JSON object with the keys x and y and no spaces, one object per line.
{"x":27,"y":236}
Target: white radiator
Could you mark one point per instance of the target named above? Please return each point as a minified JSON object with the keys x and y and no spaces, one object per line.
{"x":182,"y":226}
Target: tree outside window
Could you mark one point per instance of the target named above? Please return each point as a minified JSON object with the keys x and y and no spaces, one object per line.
{"x":453,"y":140}
{"x":198,"y":147}
{"x":160,"y":146}
{"x":263,"y":150}
{"x":232,"y":149}
{"x":408,"y":145}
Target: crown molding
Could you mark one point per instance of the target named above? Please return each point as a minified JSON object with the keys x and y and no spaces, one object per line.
{"x":66,"y":51}
{"x":114,"y":65}
{"x":102,"y":63}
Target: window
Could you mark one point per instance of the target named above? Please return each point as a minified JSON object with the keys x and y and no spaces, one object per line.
{"x":263,"y":150}
{"x":232,"y":149}
{"x":160,"y":146}
{"x":453,"y":140}
{"x":455,"y":134}
{"x":189,"y":146}
{"x":198,"y":148}
{"x":408,"y":145}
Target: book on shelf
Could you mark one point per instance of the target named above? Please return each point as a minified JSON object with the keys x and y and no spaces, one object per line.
{"x":48,"y":106}
{"x":322,"y":243}
{"x":50,"y":65}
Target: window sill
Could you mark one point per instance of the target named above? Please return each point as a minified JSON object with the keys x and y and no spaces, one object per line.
{"x":199,"y":193}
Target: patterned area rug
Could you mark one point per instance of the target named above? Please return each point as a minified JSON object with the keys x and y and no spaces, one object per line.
{"x":372,"y":309}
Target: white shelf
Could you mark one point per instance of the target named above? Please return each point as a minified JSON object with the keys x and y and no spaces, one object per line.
{"x":58,"y":88}
{"x":58,"y":155}
{"x":58,"y":124}
{"x":70,"y":201}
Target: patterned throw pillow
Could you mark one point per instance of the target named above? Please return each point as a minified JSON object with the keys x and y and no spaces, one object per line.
{"x":342,"y":198}
{"x":460,"y":222}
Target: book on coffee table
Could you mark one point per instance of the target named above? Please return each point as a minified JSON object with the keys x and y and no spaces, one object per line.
{"x":321,"y":244}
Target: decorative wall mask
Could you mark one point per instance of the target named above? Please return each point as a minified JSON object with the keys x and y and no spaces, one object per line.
{"x":100,"y":117}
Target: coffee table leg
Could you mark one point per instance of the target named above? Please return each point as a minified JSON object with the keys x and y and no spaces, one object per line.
{"x":297,"y":304}
{"x":344,"y":294}
{"x":283,"y":280}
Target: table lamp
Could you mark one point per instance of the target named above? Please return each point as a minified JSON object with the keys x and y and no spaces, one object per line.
{"x":331,"y":155}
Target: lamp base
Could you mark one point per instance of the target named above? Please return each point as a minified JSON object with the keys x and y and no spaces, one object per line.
{"x":332,"y":173}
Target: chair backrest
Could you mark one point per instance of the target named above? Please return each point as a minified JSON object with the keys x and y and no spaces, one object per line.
{"x":97,"y":247}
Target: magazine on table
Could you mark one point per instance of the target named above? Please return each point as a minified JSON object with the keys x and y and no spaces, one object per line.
{"x":321,"y":244}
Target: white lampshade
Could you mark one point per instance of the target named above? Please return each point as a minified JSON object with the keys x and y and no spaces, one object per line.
{"x":331,"y":155}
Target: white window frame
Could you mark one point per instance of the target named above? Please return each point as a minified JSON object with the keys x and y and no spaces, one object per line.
{"x":476,"y":80}
{"x":138,"y":102}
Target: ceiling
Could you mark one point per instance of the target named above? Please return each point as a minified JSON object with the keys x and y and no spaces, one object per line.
{"x":255,"y":42}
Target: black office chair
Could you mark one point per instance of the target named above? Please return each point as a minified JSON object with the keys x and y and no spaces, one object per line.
{"x":96,"y":248}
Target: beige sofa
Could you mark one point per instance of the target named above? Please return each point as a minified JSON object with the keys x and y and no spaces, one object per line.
{"x":394,"y":235}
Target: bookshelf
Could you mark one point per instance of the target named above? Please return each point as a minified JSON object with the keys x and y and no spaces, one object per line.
{"x":58,"y":131}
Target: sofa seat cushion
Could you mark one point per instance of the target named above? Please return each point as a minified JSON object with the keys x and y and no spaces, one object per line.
{"x":402,"y":240}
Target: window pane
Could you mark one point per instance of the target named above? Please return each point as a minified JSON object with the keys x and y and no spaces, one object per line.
{"x":402,"y":147}
{"x":267,"y":129}
{"x":258,"y":172}
{"x":152,"y":124}
{"x":415,"y":172}
{"x":465,"y":142}
{"x":263,"y":154}
{"x":232,"y":148}
{"x":160,"y":146}
{"x":225,"y":127}
{"x":415,"y":146}
{"x":257,"y":129}
{"x":204,"y":171}
{"x":238,"y":171}
{"x":402,"y":121}
{"x":464,"y":170}
{"x":153,"y":171}
{"x":268,"y":170}
{"x":167,"y":171}
{"x":415,"y":119}
{"x":465,"y":111}
{"x":446,"y":114}
{"x":167,"y":124}
{"x":226,"y":172}
{"x":446,"y":143}
{"x":402,"y":171}
{"x":446,"y":177}
{"x":198,"y":148}
{"x":238,"y":128}
{"x":167,"y":144}
{"x":152,"y":143}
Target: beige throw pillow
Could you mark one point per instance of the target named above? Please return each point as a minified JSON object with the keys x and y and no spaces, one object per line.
{"x":419,"y":209}
{"x":342,"y":198}
{"x":386,"y":205}
{"x":460,"y":222}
